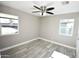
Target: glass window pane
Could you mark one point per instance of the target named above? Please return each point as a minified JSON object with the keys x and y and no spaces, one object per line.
{"x":14,"y":21}
{"x":66,"y":27}
{"x":3,"y":20}
{"x":8,"y":30}
{"x":9,"y":24}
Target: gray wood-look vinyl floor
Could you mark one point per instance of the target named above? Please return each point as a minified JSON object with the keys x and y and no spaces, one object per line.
{"x":37,"y":49}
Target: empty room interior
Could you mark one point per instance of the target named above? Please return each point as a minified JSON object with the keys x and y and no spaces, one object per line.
{"x":39,"y":29}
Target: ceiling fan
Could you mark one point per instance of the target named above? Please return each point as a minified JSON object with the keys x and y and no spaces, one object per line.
{"x":43,"y":9}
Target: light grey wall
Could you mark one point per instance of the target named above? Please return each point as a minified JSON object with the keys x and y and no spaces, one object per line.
{"x":50,"y":29}
{"x":29,"y":28}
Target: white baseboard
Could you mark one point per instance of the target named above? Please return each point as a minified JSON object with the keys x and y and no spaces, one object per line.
{"x":17,"y":44}
{"x":57,"y":43}
{"x":33,"y":40}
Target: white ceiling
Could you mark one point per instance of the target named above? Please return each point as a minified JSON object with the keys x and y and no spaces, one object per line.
{"x":27,"y":6}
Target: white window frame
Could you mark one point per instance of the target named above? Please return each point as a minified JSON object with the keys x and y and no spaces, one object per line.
{"x":4,"y":15}
{"x":64,"y":34}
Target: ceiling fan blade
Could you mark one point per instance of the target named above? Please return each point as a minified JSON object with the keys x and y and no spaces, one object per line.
{"x":51,"y":8}
{"x":36,"y":11}
{"x":50,"y":13}
{"x":37,"y":7}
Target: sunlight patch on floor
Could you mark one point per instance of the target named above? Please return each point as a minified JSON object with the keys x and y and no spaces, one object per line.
{"x":58,"y":55}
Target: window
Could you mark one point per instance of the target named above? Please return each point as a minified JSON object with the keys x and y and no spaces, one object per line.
{"x":66,"y":27}
{"x":3,"y":20}
{"x":8,"y":24}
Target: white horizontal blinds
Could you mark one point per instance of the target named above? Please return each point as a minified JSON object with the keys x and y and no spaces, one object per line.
{"x":8,"y":16}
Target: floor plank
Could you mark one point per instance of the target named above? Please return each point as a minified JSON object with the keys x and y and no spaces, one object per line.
{"x":38,"y":49}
